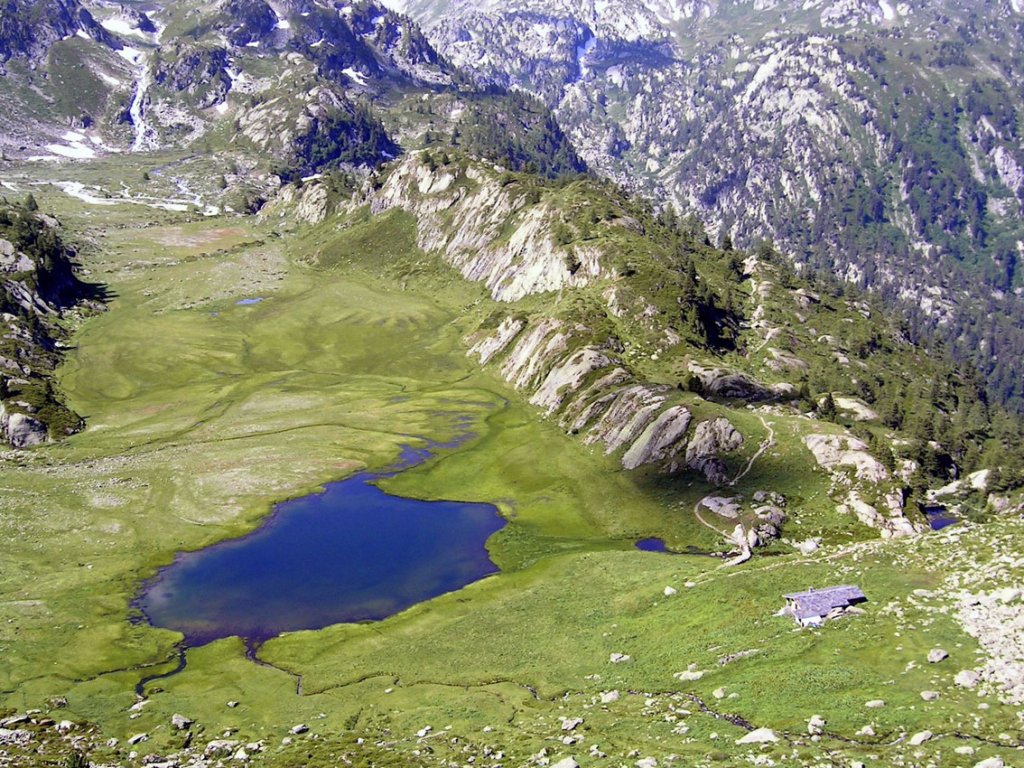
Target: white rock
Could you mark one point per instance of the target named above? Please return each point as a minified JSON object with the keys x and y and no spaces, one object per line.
{"x":669,"y":591}
{"x":874,"y":704}
{"x":566,"y":762}
{"x":867,"y":730}
{"x":423,"y":731}
{"x":937,"y":654}
{"x":609,"y":696}
{"x":990,"y":762}
{"x":920,"y":738}
{"x":929,"y":695}
{"x":619,"y":658}
{"x":180,"y":722}
{"x":816,"y":725}
{"x":138,"y":738}
{"x":718,"y":693}
{"x":964,"y":750}
{"x":647,"y":762}
{"x":809,"y":546}
{"x":967,"y":678}
{"x":298,"y":729}
{"x":758,"y":736}
{"x":65,"y":726}
{"x":571,"y":723}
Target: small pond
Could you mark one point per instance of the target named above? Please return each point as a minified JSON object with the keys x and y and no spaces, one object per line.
{"x":352,"y":553}
{"x":651,"y":545}
{"x":938,"y":516}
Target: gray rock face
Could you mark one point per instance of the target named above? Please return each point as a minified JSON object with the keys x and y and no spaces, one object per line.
{"x":514,"y":265}
{"x":709,"y":440}
{"x":661,"y":440}
{"x":21,"y":430}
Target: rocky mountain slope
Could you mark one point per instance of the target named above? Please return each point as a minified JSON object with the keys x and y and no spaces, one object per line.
{"x":637,"y":337}
{"x":877,"y":141}
{"x":292,"y":87}
{"x":37,"y":287}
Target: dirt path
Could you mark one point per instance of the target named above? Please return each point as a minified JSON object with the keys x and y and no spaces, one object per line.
{"x":767,"y":443}
{"x":745,"y":551}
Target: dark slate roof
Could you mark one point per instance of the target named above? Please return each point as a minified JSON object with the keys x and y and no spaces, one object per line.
{"x":818,"y":602}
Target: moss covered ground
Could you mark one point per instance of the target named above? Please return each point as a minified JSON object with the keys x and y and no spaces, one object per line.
{"x":203,"y":412}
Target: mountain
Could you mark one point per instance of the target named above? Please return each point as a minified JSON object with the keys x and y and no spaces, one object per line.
{"x":879,"y":142}
{"x":300,"y":85}
{"x":332,"y":246}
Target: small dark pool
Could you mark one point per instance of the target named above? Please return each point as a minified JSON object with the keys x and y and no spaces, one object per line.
{"x":651,"y":545}
{"x":351,"y":553}
{"x":938,"y":517}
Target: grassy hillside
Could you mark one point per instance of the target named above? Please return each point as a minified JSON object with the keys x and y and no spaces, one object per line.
{"x":202,"y":412}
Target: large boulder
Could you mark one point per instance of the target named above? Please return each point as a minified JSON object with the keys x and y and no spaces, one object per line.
{"x":21,"y":430}
{"x":711,"y":439}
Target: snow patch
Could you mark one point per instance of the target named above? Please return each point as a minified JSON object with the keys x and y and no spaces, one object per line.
{"x":1017,"y":5}
{"x":79,"y":190}
{"x":75,"y":151}
{"x":121,"y":27}
{"x":131,"y":55}
{"x":887,"y":10}
{"x":109,"y":80}
{"x":355,"y":75}
{"x":284,"y":24}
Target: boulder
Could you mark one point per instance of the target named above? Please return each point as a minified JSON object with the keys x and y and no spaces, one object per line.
{"x":180,"y":722}
{"x":936,"y":655}
{"x":920,"y":738}
{"x":566,"y":762}
{"x":220,"y":748}
{"x":990,"y":762}
{"x":710,"y":439}
{"x":967,"y":678}
{"x":874,"y":704}
{"x":607,"y":697}
{"x":21,"y":430}
{"x":816,"y":725}
{"x":758,"y":736}
{"x":929,"y":695}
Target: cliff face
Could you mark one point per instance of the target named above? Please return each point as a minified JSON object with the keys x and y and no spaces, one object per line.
{"x":37,"y":286}
{"x":488,"y":230}
{"x":497,"y":233}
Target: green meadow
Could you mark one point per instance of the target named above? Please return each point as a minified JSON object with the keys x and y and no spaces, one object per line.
{"x":203,"y":412}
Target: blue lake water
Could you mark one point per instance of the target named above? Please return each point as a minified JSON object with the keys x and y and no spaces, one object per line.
{"x":352,"y":553}
{"x":651,"y":545}
{"x":938,"y":517}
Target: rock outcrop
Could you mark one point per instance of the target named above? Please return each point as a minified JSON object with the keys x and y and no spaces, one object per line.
{"x":592,"y":393}
{"x":501,"y":238}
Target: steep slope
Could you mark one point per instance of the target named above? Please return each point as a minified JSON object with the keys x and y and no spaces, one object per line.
{"x":291,"y":88}
{"x":37,"y":287}
{"x":639,"y":338}
{"x":877,"y":141}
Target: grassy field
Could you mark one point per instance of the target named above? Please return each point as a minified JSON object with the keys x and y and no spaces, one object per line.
{"x":203,"y":412}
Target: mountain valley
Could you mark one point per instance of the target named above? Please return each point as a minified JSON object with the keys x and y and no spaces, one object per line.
{"x":252,"y":248}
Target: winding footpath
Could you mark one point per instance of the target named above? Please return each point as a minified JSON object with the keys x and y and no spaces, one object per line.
{"x":745,"y":550}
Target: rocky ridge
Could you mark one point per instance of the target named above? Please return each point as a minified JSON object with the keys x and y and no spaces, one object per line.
{"x":37,"y":288}
{"x":870,"y":140}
